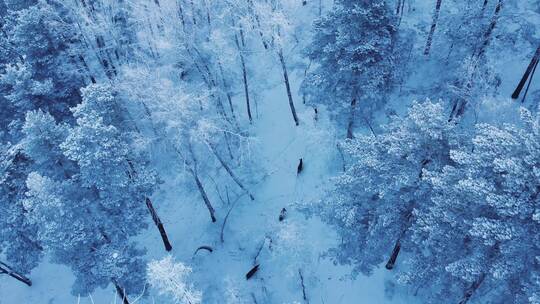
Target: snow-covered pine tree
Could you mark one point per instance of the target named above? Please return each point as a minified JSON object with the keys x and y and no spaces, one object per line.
{"x":461,"y":71}
{"x":36,"y":72}
{"x":113,"y":157}
{"x":18,"y":236}
{"x":77,"y":228}
{"x":478,"y":238}
{"x":87,"y":193}
{"x":373,"y":203}
{"x":44,"y":74}
{"x":353,"y":52}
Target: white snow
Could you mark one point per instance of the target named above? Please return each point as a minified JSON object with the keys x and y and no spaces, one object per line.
{"x":297,"y":242}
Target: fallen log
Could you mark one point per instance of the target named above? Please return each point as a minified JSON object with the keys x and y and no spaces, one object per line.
{"x":252,"y":272}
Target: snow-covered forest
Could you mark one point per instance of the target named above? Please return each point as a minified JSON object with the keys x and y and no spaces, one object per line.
{"x":269,"y":151}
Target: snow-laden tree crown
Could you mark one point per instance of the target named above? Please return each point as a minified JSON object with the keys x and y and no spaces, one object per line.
{"x":269,"y":151}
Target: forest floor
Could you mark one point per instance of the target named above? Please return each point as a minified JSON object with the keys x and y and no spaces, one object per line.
{"x":285,"y":250}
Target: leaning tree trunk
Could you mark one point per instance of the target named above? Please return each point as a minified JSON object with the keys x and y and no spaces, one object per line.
{"x":408,"y":218}
{"x":244,"y":76}
{"x":489,"y":32}
{"x":303,"y":285}
{"x":433,"y":26}
{"x":155,"y":217}
{"x":287,"y":85}
{"x":470,"y":291}
{"x":529,"y":84}
{"x":192,"y":168}
{"x":159,"y":224}
{"x":484,"y":6}
{"x":257,"y":20}
{"x":121,"y":292}
{"x":228,"y":93}
{"x":393,"y":257}
{"x":204,"y":195}
{"x":527,"y":73}
{"x":352,"y":115}
{"x":397,"y":247}
{"x":229,"y":170}
{"x":5,"y":269}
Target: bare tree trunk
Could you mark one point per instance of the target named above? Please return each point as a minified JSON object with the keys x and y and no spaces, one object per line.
{"x":244,"y":75}
{"x":193,"y":13}
{"x":204,"y":195}
{"x":181,"y":15}
{"x":228,"y":169}
{"x":489,"y":32}
{"x":228,"y":93}
{"x":470,"y":291}
{"x":407,"y":223}
{"x":433,"y":26}
{"x":529,"y":84}
{"x":159,"y":224}
{"x":303,"y":285}
{"x":5,"y":269}
{"x":83,"y":62}
{"x":257,"y":20}
{"x":155,"y":217}
{"x":393,"y":257}
{"x":121,"y":292}
{"x":400,"y":6}
{"x":527,"y":73}
{"x":192,"y":168}
{"x":484,"y":6}
{"x":287,"y":85}
{"x":352,"y":114}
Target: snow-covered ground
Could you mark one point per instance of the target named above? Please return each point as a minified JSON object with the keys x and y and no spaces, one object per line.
{"x":285,"y":250}
{"x":294,"y":244}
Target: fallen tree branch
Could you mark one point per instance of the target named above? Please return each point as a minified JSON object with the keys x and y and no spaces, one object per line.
{"x":252,"y":272}
{"x":204,"y":247}
{"x":303,"y":285}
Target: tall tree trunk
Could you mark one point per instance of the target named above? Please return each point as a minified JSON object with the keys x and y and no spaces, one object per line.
{"x":181,"y":15}
{"x":527,"y":73}
{"x":258,"y":22}
{"x":529,"y":84}
{"x":121,"y":292}
{"x":407,"y":223}
{"x":433,"y":26}
{"x":244,"y":75}
{"x":228,"y":93}
{"x":484,"y":6}
{"x":83,"y":62}
{"x":5,"y":269}
{"x":155,"y":217}
{"x":398,"y":6}
{"x":470,"y":291}
{"x":489,"y":32}
{"x":204,"y":195}
{"x":192,"y":168}
{"x":193,"y":12}
{"x":287,"y":85}
{"x":393,"y":257}
{"x":352,"y":114}
{"x":228,"y":169}
{"x":159,"y":224}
